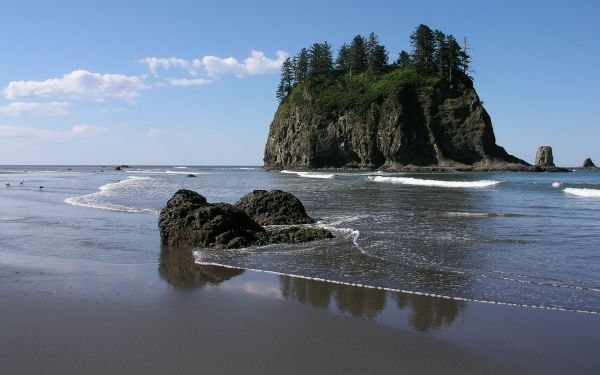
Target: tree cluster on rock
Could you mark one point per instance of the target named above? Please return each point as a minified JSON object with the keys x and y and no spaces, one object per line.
{"x":433,"y":53}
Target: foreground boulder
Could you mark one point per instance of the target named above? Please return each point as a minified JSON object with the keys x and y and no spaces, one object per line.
{"x":274,"y":207}
{"x":588,"y":163}
{"x":188,"y":220}
{"x":543,"y":157}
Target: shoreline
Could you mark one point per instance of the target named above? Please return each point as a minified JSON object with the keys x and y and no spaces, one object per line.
{"x":78,"y":316}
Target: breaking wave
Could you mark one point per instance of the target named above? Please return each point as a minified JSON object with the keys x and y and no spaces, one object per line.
{"x":434,"y":183}
{"x":104,"y":198}
{"x":582,"y":192}
{"x":311,"y":174}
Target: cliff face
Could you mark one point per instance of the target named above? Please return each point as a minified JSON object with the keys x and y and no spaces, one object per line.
{"x":437,"y":125}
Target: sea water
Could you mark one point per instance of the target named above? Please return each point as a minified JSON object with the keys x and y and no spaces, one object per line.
{"x":512,"y":238}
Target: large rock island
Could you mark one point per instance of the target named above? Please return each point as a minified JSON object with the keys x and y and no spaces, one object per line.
{"x":416,"y":113}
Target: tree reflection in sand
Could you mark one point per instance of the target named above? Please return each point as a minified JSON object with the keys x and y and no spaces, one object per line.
{"x":178,"y":268}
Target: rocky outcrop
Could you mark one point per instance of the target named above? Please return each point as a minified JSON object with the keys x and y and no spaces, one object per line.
{"x":543,"y":157}
{"x":588,"y":163}
{"x":412,"y":126}
{"x":189,"y":220}
{"x":274,"y":207}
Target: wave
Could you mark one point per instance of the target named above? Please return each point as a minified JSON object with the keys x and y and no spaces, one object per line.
{"x":434,"y":183}
{"x":100,"y":199}
{"x":556,"y":184}
{"x":582,"y":192}
{"x":181,"y":167}
{"x":311,"y":174}
{"x":479,"y":214}
{"x":153,"y":171}
{"x":394,"y":290}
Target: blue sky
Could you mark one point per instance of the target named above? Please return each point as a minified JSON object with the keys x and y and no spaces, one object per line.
{"x":192,"y":82}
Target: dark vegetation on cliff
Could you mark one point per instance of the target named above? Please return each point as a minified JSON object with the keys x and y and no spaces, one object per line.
{"x":361,"y":111}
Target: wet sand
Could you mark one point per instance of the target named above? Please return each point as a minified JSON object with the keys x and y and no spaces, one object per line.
{"x":71,"y":316}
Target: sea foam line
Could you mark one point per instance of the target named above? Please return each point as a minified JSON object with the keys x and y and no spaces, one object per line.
{"x":582,"y":192}
{"x":328,"y":176}
{"x":98,"y":199}
{"x":393,"y":290}
{"x":434,"y":183}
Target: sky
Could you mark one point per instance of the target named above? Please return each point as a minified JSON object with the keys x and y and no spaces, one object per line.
{"x":193,"y":82}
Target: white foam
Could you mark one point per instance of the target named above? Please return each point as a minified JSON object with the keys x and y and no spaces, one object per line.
{"x":434,"y":183}
{"x":180,"y":167}
{"x":587,"y":193}
{"x":311,"y":174}
{"x":153,"y":171}
{"x":101,"y":198}
{"x":556,"y":184}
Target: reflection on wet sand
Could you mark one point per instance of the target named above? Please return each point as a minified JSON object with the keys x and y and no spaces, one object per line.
{"x":177,"y":267}
{"x":427,"y":313}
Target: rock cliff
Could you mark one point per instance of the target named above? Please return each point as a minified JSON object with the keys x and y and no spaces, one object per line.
{"x":394,"y":121}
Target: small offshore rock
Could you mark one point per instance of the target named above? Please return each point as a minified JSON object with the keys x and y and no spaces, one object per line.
{"x":274,"y":207}
{"x":588,"y":163}
{"x":191,"y":175}
{"x":543,"y":157}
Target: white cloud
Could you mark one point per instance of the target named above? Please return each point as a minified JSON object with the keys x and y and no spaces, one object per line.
{"x":86,"y":130}
{"x":154,"y":133}
{"x":49,"y":109}
{"x":80,"y":84}
{"x":215,"y":67}
{"x":37,"y":134}
{"x":166,"y":63}
{"x":189,"y":82}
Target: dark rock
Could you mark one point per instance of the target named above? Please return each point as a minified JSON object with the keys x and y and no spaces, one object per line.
{"x":191,"y":175}
{"x":123,"y":166}
{"x":294,"y":234}
{"x":444,"y":125}
{"x":543,"y":157}
{"x":274,"y":207}
{"x":588,"y":163}
{"x":189,"y":220}
{"x":118,"y":169}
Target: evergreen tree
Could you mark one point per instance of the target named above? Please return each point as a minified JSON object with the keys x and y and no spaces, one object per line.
{"x":320,"y":58}
{"x":371,"y":44}
{"x":403,"y":59}
{"x":422,"y":42}
{"x":464,"y":60}
{"x":454,"y":53}
{"x":379,"y":59}
{"x":358,"y":54}
{"x":441,"y":54}
{"x":301,"y":66}
{"x":343,"y":59}
{"x":287,"y":80}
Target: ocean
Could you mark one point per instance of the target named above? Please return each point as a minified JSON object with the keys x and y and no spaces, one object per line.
{"x":527,"y":239}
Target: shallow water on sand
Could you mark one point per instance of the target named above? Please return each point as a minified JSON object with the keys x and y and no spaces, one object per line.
{"x":518,"y":238}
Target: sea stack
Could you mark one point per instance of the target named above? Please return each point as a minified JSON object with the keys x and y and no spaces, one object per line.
{"x":543,"y":157}
{"x":588,"y":163}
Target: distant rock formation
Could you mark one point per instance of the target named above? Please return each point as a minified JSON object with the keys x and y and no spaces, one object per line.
{"x":588,"y":163}
{"x":543,"y":157}
{"x":413,"y":124}
{"x":275,"y":207}
{"x":189,"y":220}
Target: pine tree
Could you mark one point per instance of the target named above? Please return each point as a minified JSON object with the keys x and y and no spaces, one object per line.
{"x":423,"y":45}
{"x":320,"y":58}
{"x":454,"y":53}
{"x":301,"y":65}
{"x":464,"y":60}
{"x":287,"y":80}
{"x":379,"y":59}
{"x":358,"y":55}
{"x":403,"y":59}
{"x":441,"y":55}
{"x":343,"y":59}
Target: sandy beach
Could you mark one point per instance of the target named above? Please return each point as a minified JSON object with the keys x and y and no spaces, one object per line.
{"x":64,"y":316}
